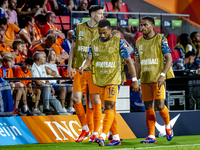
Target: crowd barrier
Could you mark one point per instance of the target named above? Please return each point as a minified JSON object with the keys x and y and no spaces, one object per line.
{"x":58,"y":128}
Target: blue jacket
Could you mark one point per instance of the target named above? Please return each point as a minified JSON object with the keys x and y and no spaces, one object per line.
{"x":6,"y":100}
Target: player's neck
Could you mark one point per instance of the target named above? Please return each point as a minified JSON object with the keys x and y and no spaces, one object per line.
{"x":150,"y":35}
{"x":92,"y":23}
{"x":51,"y":62}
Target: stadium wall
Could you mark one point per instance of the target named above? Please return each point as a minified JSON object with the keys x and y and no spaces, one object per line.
{"x":56,"y":129}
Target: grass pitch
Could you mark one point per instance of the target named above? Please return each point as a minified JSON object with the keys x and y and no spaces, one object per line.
{"x":178,"y":143}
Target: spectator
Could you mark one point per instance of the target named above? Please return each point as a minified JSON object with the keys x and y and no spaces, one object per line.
{"x":60,"y":52}
{"x":10,"y":31}
{"x":17,"y":47}
{"x":184,"y":63}
{"x":38,"y":70}
{"x":55,"y":4}
{"x":63,"y":8}
{"x":82,"y":5}
{"x":29,"y":24}
{"x":28,"y":7}
{"x":4,"y":48}
{"x":96,"y":2}
{"x":50,"y":44}
{"x":24,"y":52}
{"x":183,"y":47}
{"x":66,"y":45}
{"x":61,"y":89}
{"x":39,"y":22}
{"x":3,"y":6}
{"x":72,"y":4}
{"x":11,"y":13}
{"x":117,"y":5}
{"x":51,"y":18}
{"x":24,"y":72}
{"x":195,"y":37}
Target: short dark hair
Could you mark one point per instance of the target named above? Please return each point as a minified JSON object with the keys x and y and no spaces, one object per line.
{"x":113,"y":2}
{"x":184,"y":37}
{"x":40,"y":18}
{"x":27,"y":19}
{"x":190,"y":53}
{"x":29,"y":61}
{"x":150,"y":19}
{"x":16,"y":43}
{"x":104,"y":23}
{"x":2,"y":1}
{"x":94,"y":8}
{"x":192,"y":35}
{"x":3,"y":20}
{"x":7,"y":59}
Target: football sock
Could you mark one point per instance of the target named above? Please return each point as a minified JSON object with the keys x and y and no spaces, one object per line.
{"x":113,"y":127}
{"x":97,"y":116}
{"x":150,"y":121}
{"x":80,"y":112}
{"x":165,"y":116}
{"x":89,"y":117}
{"x":108,"y":120}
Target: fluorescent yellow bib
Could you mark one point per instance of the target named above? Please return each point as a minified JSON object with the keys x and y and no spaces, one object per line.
{"x":84,"y":35}
{"x":180,"y":45}
{"x":151,"y":58}
{"x":106,"y":69}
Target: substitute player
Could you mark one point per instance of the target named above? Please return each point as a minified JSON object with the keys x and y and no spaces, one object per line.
{"x":151,"y":50}
{"x":82,"y":36}
{"x":105,"y":52}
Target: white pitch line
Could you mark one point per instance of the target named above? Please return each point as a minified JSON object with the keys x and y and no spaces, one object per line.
{"x":156,"y":147}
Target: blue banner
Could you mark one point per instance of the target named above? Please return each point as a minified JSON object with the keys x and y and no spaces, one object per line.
{"x":13,"y":131}
{"x":123,"y":22}
{"x":183,"y":123}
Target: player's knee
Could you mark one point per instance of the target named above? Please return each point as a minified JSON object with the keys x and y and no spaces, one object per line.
{"x":160,"y":107}
{"x":109,"y":105}
{"x":96,"y":99}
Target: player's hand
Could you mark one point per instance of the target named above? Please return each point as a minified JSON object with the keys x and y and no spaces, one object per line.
{"x":80,"y":70}
{"x":136,"y":86}
{"x":160,"y":81}
{"x":71,"y":71}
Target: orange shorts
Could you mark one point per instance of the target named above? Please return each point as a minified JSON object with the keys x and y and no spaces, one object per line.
{"x":108,"y":93}
{"x":151,"y":91}
{"x":84,"y":81}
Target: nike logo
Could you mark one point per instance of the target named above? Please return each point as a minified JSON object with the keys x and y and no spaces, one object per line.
{"x":160,"y":91}
{"x":161,"y":128}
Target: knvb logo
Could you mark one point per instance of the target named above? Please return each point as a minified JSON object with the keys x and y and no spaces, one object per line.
{"x":9,"y":131}
{"x":123,"y":23}
{"x":69,"y":130}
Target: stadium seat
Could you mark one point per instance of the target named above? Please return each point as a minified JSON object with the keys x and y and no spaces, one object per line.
{"x":122,"y":36}
{"x":60,"y":70}
{"x":138,"y":35}
{"x":171,"y":37}
{"x":128,"y":82}
{"x":58,"y":22}
{"x":14,"y":70}
{"x":178,"y":39}
{"x":108,"y":6}
{"x":48,"y":6}
{"x":65,"y":20}
{"x":124,"y":8}
{"x":175,"y":55}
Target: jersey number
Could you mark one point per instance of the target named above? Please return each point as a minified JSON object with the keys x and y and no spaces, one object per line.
{"x":112,"y":91}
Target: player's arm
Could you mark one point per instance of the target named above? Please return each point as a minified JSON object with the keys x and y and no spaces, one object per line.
{"x":167,"y":53}
{"x":85,"y":64}
{"x":137,"y":63}
{"x":131,"y":68}
{"x":70,"y":69}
